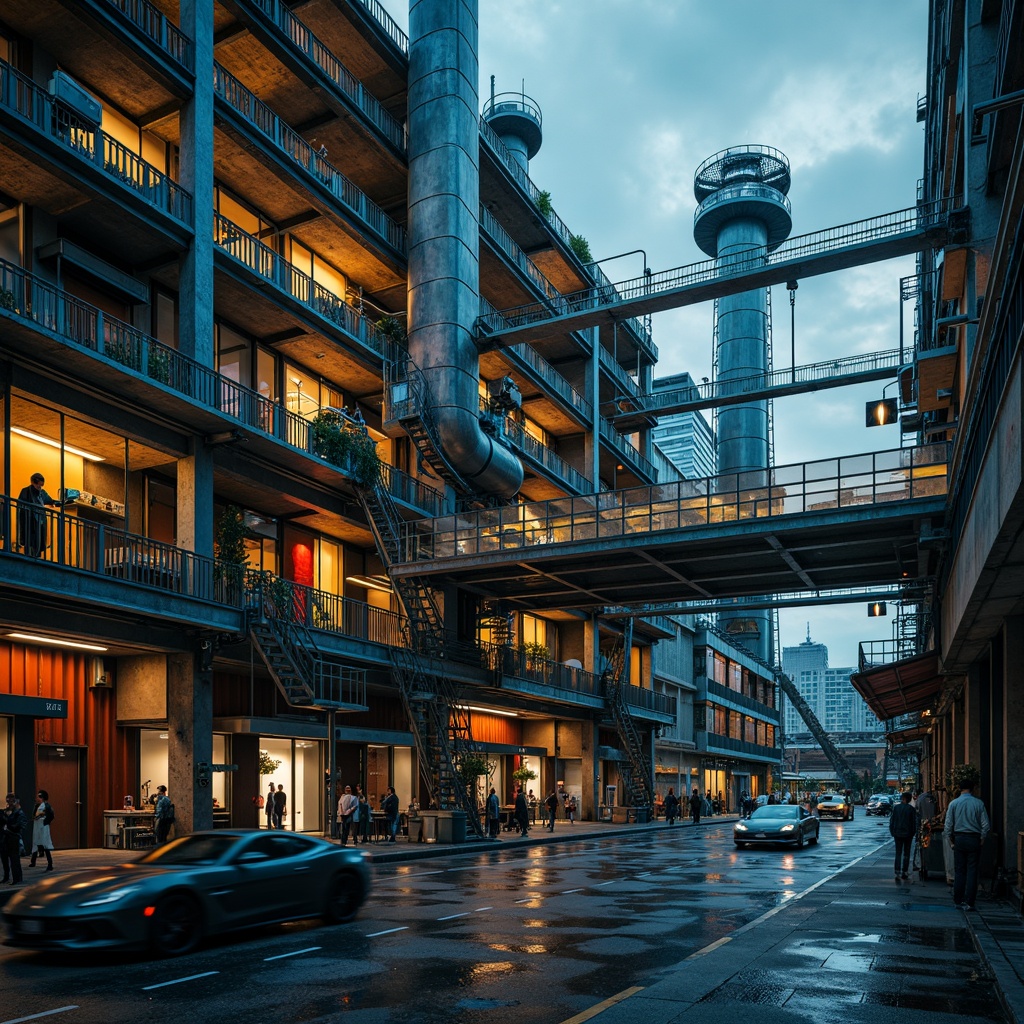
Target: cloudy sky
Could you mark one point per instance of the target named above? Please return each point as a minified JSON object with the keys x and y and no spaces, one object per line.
{"x":635,"y":94}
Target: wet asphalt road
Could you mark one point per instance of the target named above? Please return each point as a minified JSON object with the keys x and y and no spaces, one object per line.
{"x":534,"y":934}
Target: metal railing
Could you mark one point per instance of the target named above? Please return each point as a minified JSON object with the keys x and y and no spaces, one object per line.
{"x":269,"y":264}
{"x":244,"y":102}
{"x":491,"y":227}
{"x":390,"y":26}
{"x":627,"y":450}
{"x":649,"y":700}
{"x":767,"y":711}
{"x":515,"y":661}
{"x":855,"y":481}
{"x":155,"y":25}
{"x":300,"y":35}
{"x":32,"y":105}
{"x":540,"y":454}
{"x":76,"y":322}
{"x":918,"y":218}
{"x":747,"y":190}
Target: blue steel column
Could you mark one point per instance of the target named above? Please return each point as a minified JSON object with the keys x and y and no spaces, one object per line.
{"x":444,"y":238}
{"x":743,"y":208}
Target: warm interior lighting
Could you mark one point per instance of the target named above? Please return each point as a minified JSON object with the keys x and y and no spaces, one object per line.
{"x":371,"y":582}
{"x":876,"y":610}
{"x":881,"y":413}
{"x":487,"y":711}
{"x":56,"y":444}
{"x":34,"y":639}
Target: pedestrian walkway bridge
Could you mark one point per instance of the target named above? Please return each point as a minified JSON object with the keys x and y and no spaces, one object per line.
{"x":853,"y":521}
{"x":832,"y":373}
{"x":821,"y":252}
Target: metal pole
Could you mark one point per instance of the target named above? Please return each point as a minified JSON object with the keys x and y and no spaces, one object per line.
{"x":332,"y":768}
{"x":792,"y":286}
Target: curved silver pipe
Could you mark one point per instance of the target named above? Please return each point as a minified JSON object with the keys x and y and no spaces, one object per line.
{"x":444,"y":236}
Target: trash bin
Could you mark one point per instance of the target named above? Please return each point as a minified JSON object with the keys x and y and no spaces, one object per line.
{"x":451,"y":827}
{"x":643,"y":815}
{"x":428,"y":827}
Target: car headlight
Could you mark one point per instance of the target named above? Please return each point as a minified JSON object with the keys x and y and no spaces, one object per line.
{"x":113,"y":896}
{"x":740,"y":827}
{"x":787,"y":828}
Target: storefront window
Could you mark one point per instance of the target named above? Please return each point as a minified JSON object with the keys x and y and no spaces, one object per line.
{"x":153,"y":761}
{"x":300,"y":771}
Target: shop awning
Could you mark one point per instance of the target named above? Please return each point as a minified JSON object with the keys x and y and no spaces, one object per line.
{"x":901,"y":687}
{"x":911,"y":735}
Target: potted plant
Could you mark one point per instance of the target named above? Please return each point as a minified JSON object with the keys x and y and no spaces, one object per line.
{"x":961,"y":773}
{"x":230,"y":551}
{"x":535,"y":656}
{"x":523,"y":775}
{"x":346,"y":446}
{"x":581,"y":247}
{"x":268,"y":764}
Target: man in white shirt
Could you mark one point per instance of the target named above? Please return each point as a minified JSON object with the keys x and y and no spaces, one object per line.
{"x":346,"y":809}
{"x":965,"y":830}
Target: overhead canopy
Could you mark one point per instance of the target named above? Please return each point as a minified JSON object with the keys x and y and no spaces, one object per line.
{"x":901,"y":687}
{"x":911,"y":735}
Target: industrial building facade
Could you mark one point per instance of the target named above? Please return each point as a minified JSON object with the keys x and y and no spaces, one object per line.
{"x":221,"y":334}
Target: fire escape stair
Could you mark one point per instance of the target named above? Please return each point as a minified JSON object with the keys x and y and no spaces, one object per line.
{"x":305,"y":677}
{"x":440,"y":722}
{"x":636,"y":772}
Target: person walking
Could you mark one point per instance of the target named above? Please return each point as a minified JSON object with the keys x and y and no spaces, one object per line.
{"x":42,"y":844}
{"x":163,"y":812}
{"x":551,"y":803}
{"x":280,"y":807}
{"x":903,"y":828}
{"x":493,"y":814}
{"x":268,"y":806}
{"x":347,"y":806}
{"x":695,"y":806}
{"x":570,"y":808}
{"x":671,"y":806}
{"x":15,"y":822}
{"x":390,"y":808}
{"x":522,"y":813}
{"x":966,"y":827}
{"x":361,"y":819}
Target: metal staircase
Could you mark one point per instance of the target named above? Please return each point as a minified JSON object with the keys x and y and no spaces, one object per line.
{"x":305,"y":677}
{"x":440,"y":721}
{"x":835,"y":756}
{"x":636,"y":773}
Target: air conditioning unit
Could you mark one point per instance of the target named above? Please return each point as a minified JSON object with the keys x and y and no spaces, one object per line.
{"x":75,"y":100}
{"x":99,"y":677}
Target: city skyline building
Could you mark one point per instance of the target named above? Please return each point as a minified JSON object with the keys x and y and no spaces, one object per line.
{"x":685,"y":438}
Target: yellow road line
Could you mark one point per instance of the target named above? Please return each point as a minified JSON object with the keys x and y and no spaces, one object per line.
{"x":602,"y":1006}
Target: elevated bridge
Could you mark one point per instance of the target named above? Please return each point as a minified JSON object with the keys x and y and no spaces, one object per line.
{"x":832,"y":373}
{"x":884,"y":237}
{"x":854,"y":521}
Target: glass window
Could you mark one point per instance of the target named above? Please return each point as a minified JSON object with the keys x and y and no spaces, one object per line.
{"x":533,"y":630}
{"x":165,"y":318}
{"x":234,"y":355}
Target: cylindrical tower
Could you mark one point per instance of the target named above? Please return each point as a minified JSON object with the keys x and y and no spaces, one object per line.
{"x":444,"y":236}
{"x":743,"y":207}
{"x":517,"y":121}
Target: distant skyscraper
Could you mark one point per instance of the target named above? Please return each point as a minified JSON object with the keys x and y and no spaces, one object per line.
{"x":828,"y":691}
{"x":685,"y":437}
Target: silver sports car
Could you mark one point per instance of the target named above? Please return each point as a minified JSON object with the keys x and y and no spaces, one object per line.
{"x":201,"y":884}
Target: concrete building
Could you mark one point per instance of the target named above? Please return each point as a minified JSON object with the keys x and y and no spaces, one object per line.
{"x":964,"y":388}
{"x":828,"y":691}
{"x":686,"y":438}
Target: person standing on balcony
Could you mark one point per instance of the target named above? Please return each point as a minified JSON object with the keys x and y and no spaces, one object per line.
{"x":33,"y":529}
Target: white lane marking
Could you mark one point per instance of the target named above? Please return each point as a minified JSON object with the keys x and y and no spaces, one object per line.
{"x":480,"y":910}
{"x":178,"y":981}
{"x":297,"y":952}
{"x":36,"y":1016}
{"x":451,"y":917}
{"x":565,"y":892}
{"x":389,"y":931}
{"x":601,"y":885}
{"x":530,"y":899}
{"x":417,"y":874}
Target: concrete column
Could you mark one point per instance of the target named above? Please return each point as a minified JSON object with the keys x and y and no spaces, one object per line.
{"x":1012,"y":734}
{"x":590,"y":771}
{"x":977,"y":679}
{"x":195,"y":500}
{"x":189,"y":741}
{"x":195,"y":301}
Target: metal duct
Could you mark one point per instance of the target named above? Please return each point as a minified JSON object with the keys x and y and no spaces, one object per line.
{"x":444,"y":237}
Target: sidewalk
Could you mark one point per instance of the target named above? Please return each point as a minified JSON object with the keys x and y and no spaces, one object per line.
{"x":857,"y":947}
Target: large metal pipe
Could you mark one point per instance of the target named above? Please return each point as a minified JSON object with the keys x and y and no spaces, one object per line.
{"x":444,"y":236}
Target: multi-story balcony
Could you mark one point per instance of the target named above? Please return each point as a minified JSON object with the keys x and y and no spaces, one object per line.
{"x":49,"y":326}
{"x":52,"y":160}
{"x":368,"y":244}
{"x":543,"y":460}
{"x":724,"y":695}
{"x":712,"y":743}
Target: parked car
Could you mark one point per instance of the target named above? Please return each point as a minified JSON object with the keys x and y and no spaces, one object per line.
{"x":835,"y":805}
{"x":777,"y":823}
{"x":202,"y":884}
{"x":880,"y":804}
